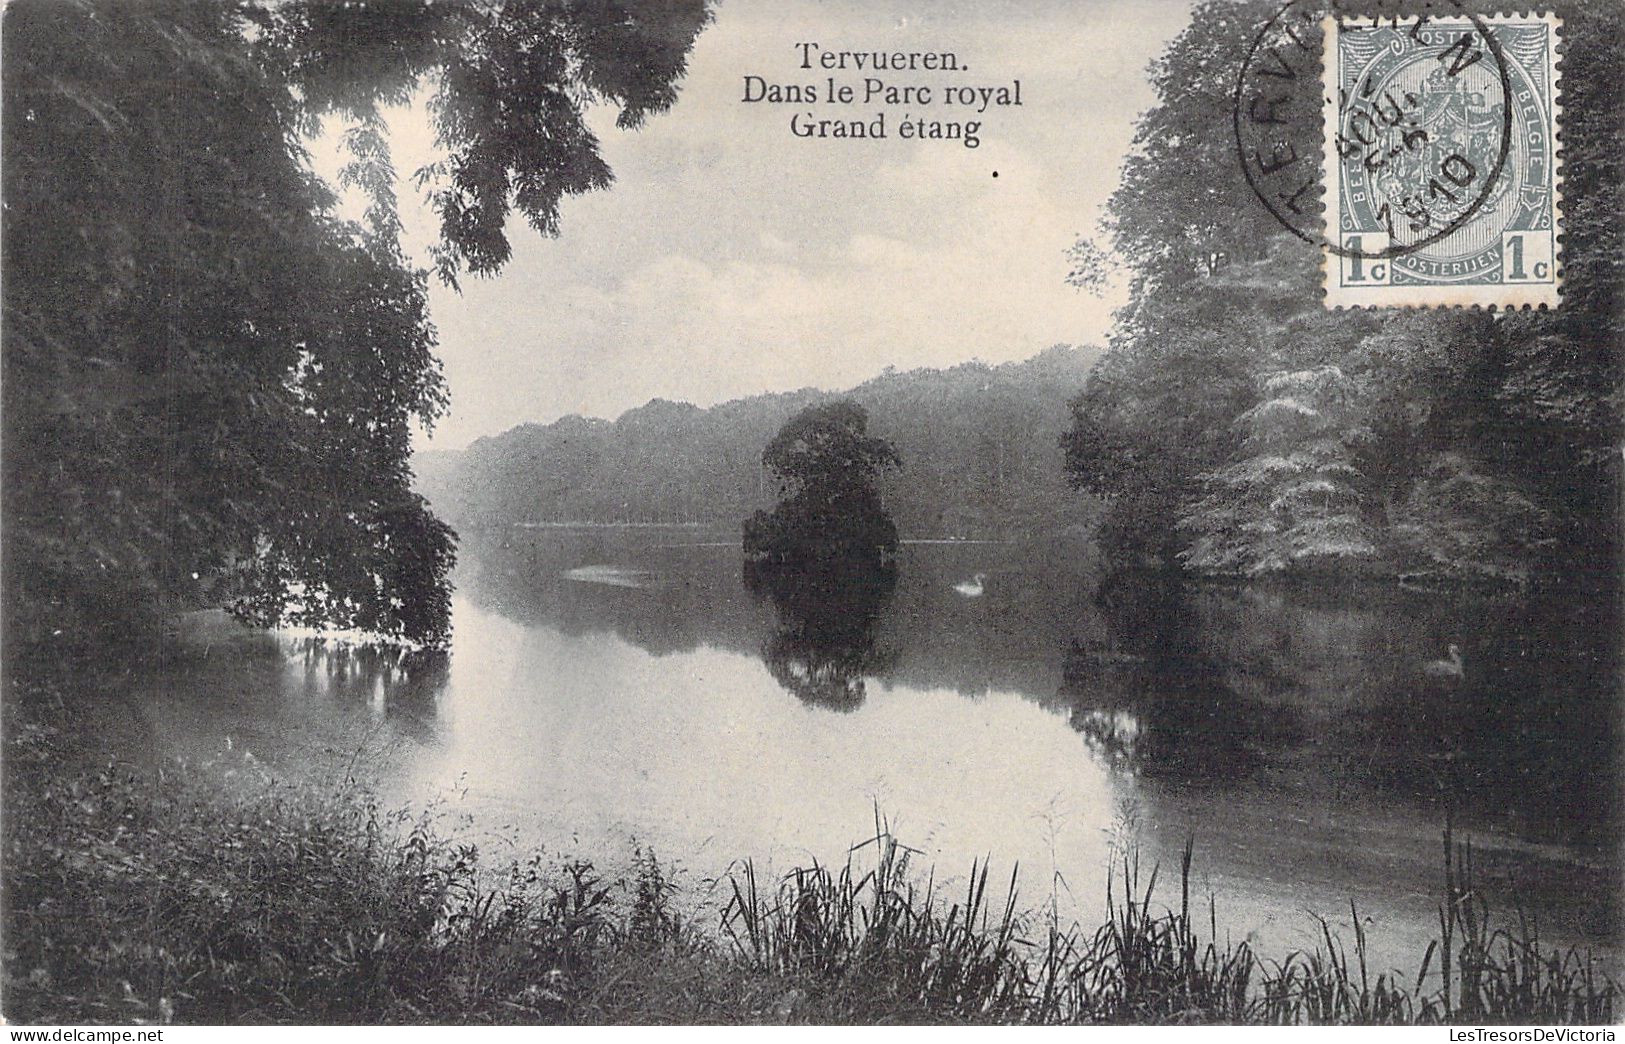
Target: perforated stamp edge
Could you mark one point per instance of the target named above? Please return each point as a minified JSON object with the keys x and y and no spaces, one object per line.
{"x":1501,"y":296}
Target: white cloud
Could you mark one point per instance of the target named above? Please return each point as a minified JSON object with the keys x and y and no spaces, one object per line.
{"x":730,"y":258}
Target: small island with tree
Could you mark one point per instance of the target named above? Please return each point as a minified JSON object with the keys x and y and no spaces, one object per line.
{"x":827,"y":464}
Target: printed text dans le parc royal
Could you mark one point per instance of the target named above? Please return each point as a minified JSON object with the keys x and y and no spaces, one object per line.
{"x":903,"y":95}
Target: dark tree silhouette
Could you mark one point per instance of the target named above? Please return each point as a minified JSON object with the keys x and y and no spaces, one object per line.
{"x":210,"y":382}
{"x":827,"y":465}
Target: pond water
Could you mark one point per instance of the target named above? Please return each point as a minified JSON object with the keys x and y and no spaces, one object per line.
{"x":616,"y":684}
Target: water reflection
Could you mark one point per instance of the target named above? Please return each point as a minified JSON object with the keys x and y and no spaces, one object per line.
{"x":668,"y":593}
{"x":353,"y":670}
{"x":306,"y":703}
{"x":614,"y":683}
{"x":1152,"y":699}
{"x":1317,"y":689}
{"x":1530,"y":731}
{"x":398,"y":688}
{"x":1527,"y":741}
{"x":823,"y":645}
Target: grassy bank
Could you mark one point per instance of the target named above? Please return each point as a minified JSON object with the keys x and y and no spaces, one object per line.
{"x":219,"y":895}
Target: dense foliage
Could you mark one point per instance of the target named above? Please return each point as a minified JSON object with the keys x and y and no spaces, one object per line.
{"x":826,"y":464}
{"x":211,"y":381}
{"x":1239,"y":428}
{"x":980,"y":441}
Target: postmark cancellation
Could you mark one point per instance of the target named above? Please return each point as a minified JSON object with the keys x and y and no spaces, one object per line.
{"x":1443,"y":165}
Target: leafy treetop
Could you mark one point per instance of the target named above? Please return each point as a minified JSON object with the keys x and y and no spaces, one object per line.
{"x":209,"y":380}
{"x":827,"y":464}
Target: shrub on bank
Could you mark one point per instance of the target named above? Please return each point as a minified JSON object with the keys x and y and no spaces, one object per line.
{"x":191,"y":897}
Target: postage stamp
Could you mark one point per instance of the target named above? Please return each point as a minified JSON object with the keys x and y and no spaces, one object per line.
{"x":1443,"y":175}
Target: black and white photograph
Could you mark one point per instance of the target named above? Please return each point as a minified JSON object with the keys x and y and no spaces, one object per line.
{"x":835,"y":513}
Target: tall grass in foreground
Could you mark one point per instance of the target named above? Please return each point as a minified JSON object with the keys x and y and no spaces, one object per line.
{"x":875,"y":936}
{"x":181,"y":896}
{"x":216,"y":895}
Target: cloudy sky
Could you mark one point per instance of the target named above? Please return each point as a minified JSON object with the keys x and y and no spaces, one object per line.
{"x":731,"y":257}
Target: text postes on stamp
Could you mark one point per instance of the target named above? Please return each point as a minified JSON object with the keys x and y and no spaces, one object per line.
{"x":1441,"y":157}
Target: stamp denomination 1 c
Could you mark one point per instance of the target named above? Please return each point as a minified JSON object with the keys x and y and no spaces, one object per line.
{"x":1444,"y":185}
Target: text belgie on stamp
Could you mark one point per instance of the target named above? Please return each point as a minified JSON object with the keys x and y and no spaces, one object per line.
{"x":1441,"y":158}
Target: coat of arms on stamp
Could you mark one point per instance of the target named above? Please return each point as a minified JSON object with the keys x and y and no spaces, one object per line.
{"x":1443,"y":174}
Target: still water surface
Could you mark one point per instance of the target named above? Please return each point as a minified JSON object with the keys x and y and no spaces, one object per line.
{"x":610,"y":685}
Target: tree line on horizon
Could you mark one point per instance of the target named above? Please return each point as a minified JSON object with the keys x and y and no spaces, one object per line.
{"x":979,"y":447}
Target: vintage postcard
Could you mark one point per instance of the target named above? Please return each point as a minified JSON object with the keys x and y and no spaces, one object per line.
{"x":833,"y":512}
